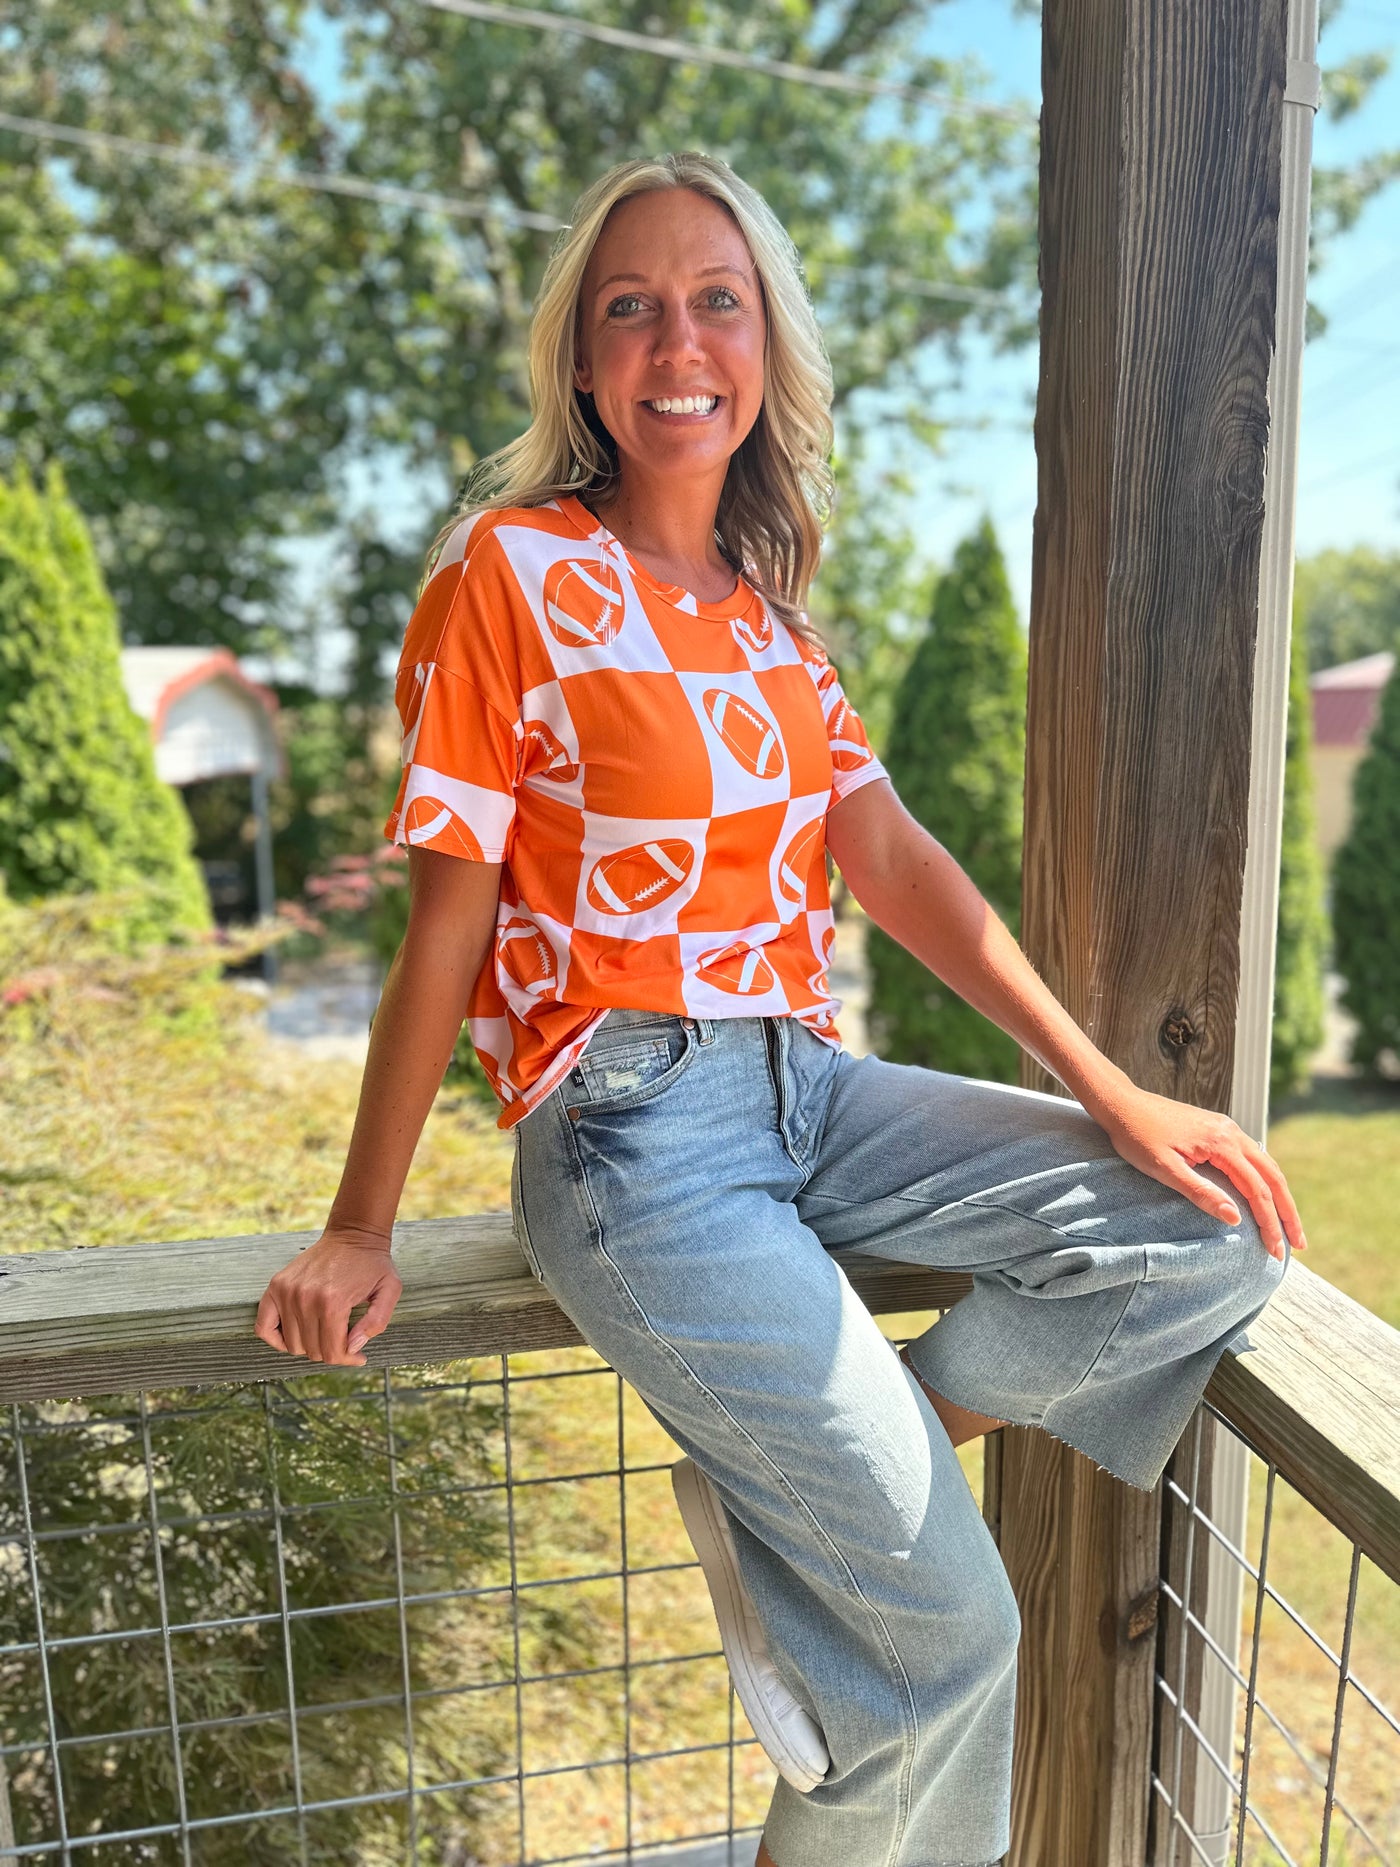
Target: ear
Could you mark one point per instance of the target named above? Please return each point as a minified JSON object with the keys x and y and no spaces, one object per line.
{"x":583,"y":376}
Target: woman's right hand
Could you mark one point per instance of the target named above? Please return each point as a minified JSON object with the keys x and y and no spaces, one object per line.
{"x":305,"y":1309}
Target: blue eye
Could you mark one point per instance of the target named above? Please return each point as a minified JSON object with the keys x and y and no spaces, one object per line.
{"x":626,"y":302}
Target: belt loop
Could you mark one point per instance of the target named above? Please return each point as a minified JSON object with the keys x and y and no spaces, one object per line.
{"x":706,"y":1028}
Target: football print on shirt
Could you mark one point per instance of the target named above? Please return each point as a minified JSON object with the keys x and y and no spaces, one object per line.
{"x":653,"y":773}
{"x":632,"y":884}
{"x":747,"y":733}
{"x":583,"y":602}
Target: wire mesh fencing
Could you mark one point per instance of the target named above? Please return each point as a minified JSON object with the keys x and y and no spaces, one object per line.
{"x":445,"y":1615}
{"x":1278,"y":1674}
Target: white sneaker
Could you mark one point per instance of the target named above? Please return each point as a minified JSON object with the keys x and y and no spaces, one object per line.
{"x":790,"y":1737}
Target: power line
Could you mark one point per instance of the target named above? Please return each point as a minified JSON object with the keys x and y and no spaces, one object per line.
{"x":1388,"y":457}
{"x":391,"y":195}
{"x":684,"y":51}
{"x":922,"y":288}
{"x":314,"y":180}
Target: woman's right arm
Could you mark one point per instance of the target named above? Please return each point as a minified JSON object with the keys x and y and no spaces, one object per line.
{"x":305,"y":1309}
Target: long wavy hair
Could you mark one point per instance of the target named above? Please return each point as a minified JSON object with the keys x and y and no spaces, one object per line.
{"x":779,"y":490}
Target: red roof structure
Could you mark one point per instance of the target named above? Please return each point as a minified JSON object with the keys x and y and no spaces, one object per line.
{"x":1346,"y":699}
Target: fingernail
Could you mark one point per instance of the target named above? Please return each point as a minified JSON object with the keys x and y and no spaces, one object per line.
{"x":357,"y":1342}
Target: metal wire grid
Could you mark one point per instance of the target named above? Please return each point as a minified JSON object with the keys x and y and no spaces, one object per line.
{"x":22,"y":1548}
{"x":1182,"y":1727}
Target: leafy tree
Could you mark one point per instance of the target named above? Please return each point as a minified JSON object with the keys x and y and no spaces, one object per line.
{"x":956,"y":755}
{"x":207,"y":354}
{"x":81,"y":807}
{"x":1349,"y":604}
{"x":1302,"y":923}
{"x":1366,"y":893}
{"x":871,"y":595}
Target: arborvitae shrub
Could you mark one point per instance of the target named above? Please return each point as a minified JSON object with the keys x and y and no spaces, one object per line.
{"x":1366,"y":893}
{"x":81,"y":807}
{"x":1302,"y":923}
{"x":956,"y":756}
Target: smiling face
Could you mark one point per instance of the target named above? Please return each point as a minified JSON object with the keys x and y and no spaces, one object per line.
{"x":671,"y":334}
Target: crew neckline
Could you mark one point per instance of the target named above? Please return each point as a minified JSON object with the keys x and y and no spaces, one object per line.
{"x":728,"y":609}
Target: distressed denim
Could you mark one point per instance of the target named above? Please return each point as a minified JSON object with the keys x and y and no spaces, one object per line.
{"x":690,"y":1193}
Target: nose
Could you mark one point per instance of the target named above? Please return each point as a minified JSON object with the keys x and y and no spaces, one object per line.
{"x":677,"y":342}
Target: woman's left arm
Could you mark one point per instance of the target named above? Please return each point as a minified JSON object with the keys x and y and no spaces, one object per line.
{"x":910,"y":886}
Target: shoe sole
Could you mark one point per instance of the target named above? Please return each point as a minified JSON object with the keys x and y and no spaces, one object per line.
{"x":697,"y":1510}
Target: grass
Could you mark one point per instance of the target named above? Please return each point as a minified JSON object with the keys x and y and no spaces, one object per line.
{"x":136,"y":1118}
{"x":1339,"y":1146}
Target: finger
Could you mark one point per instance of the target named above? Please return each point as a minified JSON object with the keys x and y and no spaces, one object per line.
{"x":267,"y":1325}
{"x":312,"y":1329}
{"x":1211,"y":1199}
{"x":1261,"y":1203}
{"x":340,"y":1353}
{"x":376,"y":1318}
{"x":292,"y":1325}
{"x":1283,"y":1199}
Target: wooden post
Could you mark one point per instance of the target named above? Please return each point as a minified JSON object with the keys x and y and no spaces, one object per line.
{"x":1158,"y":219}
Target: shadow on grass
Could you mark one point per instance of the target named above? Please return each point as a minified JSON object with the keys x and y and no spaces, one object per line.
{"x":1340,"y":1095}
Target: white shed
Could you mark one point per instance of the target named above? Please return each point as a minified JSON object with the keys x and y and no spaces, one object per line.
{"x":209,"y":719}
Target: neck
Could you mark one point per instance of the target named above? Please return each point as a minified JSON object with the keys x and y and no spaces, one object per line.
{"x":656,"y":518}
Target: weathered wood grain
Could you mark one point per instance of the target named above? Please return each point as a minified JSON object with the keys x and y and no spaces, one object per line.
{"x":114,"y":1318}
{"x":1320,"y":1395}
{"x":1318,"y":1389}
{"x":1160,"y":175}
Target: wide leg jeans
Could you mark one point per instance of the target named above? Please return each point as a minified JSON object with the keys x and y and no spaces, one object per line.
{"x":689,"y":1195}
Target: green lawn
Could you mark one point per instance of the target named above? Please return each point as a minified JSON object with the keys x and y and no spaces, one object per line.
{"x":1339,"y":1145}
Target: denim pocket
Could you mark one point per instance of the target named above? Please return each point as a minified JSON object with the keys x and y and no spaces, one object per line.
{"x":633,"y":1069}
{"x":517,"y":1216}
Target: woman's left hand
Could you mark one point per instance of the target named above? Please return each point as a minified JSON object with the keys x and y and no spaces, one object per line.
{"x":1168,"y":1139}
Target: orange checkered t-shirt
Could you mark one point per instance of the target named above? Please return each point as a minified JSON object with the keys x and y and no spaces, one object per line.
{"x":653,"y":772}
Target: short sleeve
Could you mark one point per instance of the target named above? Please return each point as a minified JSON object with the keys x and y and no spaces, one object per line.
{"x":458,"y":701}
{"x":853,"y":761}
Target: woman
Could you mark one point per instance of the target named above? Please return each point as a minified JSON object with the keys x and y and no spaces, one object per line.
{"x":625,"y":757}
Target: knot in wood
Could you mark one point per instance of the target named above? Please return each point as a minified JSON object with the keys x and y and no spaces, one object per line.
{"x":1178,"y":1031}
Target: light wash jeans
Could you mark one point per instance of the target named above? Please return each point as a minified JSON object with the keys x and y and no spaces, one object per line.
{"x":689,"y":1193}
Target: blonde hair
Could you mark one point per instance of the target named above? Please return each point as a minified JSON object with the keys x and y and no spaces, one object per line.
{"x":779,"y":490}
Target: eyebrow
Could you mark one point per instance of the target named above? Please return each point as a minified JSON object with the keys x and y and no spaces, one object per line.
{"x":640,"y":278}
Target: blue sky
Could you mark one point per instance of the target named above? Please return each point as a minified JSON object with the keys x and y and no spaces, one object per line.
{"x":1349,"y":455}
{"x":1349,"y":469}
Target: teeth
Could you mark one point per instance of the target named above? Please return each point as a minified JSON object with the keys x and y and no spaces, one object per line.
{"x":683,"y":405}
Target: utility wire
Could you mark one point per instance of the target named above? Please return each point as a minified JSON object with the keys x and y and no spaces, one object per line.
{"x":386,"y":192}
{"x":1386,"y":458}
{"x":393,"y":196}
{"x":683,"y":51}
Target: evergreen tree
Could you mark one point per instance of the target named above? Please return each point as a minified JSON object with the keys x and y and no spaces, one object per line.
{"x":1366,"y":891}
{"x":956,"y":755}
{"x":1302,"y":924}
{"x":81,"y":807}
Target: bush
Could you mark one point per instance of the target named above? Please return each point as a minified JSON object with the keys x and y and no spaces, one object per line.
{"x":1366,"y":894}
{"x":81,"y":807}
{"x":1302,"y":922}
{"x":956,"y":755}
{"x":367,"y":898}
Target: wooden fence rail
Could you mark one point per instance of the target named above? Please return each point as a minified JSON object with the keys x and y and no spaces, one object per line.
{"x":1318,"y":1391}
